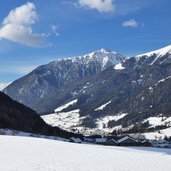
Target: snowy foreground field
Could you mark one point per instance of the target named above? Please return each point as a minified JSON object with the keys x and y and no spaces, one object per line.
{"x":36,"y":154}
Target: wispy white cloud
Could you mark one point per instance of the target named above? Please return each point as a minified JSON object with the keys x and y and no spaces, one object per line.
{"x":54,"y":29}
{"x":16,"y":27}
{"x":99,"y":5}
{"x":130,"y":23}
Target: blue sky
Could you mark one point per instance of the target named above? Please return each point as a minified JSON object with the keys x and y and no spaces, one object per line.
{"x":52,"y":29}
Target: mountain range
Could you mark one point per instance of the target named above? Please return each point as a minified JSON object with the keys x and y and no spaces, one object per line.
{"x":102,"y":91}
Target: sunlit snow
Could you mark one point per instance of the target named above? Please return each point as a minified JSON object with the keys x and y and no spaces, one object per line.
{"x":33,"y":154}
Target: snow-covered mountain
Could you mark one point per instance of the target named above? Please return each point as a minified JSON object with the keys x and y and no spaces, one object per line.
{"x":102,"y":57}
{"x":158,"y":53}
{"x":86,"y":94}
{"x":49,"y":78}
{"x":132,"y":96}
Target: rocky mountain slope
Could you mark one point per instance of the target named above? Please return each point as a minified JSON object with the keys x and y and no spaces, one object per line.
{"x":49,"y":78}
{"x":132,"y":96}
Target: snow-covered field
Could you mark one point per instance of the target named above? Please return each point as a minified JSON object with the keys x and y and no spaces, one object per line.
{"x":158,"y":121}
{"x":64,"y":120}
{"x":36,"y":154}
{"x":158,"y":134}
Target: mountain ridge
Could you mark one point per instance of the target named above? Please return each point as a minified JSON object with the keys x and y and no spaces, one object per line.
{"x":159,"y":52}
{"x":53,"y":76}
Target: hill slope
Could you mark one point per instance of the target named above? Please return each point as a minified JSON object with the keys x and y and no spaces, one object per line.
{"x":14,"y":115}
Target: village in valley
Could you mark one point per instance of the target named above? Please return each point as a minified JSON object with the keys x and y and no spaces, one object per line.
{"x":120,"y":140}
{"x":124,"y":140}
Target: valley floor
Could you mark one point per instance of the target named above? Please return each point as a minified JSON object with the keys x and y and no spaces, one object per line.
{"x":36,"y":154}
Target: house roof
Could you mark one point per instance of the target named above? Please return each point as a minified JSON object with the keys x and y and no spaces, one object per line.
{"x":113,"y":141}
{"x":101,"y":140}
{"x":144,"y":141}
{"x":88,"y":139}
{"x":125,"y":138}
{"x":77,"y":140}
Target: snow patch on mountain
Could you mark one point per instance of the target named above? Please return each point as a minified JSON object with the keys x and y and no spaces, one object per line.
{"x":102,"y":123}
{"x":162,"y":80}
{"x":84,"y":88}
{"x":119,"y":67}
{"x":103,"y":106}
{"x":65,"y":106}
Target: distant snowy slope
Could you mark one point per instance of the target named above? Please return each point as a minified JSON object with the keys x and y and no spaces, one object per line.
{"x":158,"y":53}
{"x":32,"y":154}
{"x":66,"y":106}
{"x":64,"y":120}
{"x":158,"y":56}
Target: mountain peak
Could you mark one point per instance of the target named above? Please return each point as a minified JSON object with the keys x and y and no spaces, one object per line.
{"x":104,"y":50}
{"x":102,"y":56}
{"x":158,"y":53}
